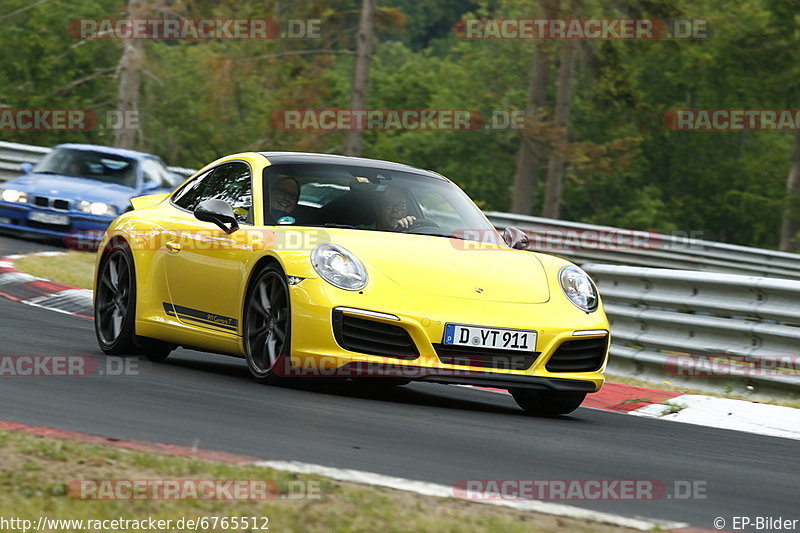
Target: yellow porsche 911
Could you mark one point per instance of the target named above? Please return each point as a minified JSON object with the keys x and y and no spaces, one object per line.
{"x":313,"y":265}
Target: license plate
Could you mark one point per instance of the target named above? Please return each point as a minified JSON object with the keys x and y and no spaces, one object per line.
{"x":522,"y":340}
{"x":49,"y":218}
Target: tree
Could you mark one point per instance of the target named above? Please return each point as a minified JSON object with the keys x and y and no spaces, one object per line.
{"x":790,"y":225}
{"x":554,"y":186}
{"x":354,"y":139}
{"x":130,"y":76}
{"x":530,"y":153}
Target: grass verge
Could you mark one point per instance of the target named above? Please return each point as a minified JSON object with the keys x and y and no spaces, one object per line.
{"x":35,"y":473}
{"x":71,"y":268}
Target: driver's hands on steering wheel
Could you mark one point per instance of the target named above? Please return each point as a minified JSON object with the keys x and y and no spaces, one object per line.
{"x":405,"y":223}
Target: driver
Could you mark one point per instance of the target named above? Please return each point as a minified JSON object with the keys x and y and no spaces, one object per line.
{"x":393,"y":211}
{"x":75,"y":168}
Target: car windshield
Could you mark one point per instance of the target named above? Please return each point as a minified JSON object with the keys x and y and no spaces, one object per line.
{"x":99,"y":166}
{"x":335,"y":195}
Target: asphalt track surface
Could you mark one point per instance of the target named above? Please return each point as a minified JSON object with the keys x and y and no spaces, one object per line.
{"x":425,"y":432}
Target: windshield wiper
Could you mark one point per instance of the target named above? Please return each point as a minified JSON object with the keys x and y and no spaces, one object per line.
{"x":333,"y":225}
{"x":455,"y":236}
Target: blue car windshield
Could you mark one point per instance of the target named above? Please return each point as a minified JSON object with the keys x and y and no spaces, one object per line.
{"x":98,"y":166}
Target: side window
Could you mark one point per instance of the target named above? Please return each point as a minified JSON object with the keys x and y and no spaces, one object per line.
{"x":190,"y":195}
{"x":229,"y":182}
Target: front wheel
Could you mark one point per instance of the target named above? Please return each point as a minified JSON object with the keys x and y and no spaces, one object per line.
{"x":267,"y":324}
{"x":547,"y":403}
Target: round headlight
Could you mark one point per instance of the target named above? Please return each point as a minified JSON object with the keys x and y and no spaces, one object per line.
{"x":12,"y":195}
{"x":97,"y":208}
{"x":339,"y":267}
{"x":578,"y":287}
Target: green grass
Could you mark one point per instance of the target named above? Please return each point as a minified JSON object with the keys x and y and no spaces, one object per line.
{"x":672,"y":407}
{"x":75,"y":269}
{"x":35,"y":473}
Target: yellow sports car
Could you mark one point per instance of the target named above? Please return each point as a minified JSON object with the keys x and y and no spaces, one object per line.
{"x":313,"y":265}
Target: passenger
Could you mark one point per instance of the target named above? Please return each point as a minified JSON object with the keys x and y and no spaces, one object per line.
{"x":283,"y":196}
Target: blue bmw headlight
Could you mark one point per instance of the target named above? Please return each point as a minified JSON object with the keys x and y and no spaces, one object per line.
{"x":14,"y":196}
{"x":97,"y":208}
{"x":578,"y":287}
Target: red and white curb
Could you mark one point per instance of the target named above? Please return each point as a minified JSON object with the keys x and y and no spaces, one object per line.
{"x":709,"y":411}
{"x":30,"y":290}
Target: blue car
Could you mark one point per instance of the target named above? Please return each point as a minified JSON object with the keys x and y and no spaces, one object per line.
{"x":76,"y":190}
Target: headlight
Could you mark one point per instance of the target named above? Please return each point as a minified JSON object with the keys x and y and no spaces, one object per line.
{"x":339,"y":267}
{"x":13,"y":195}
{"x":97,"y":208}
{"x":578,"y":287}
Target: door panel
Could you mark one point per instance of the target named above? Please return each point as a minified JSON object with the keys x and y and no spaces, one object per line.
{"x":204,"y":267}
{"x":205,"y":274}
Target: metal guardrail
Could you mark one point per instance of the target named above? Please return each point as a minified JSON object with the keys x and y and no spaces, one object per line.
{"x":12,"y":155}
{"x":586,"y":243}
{"x":702,"y":328}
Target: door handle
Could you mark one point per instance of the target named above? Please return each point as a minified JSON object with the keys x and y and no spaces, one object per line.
{"x":173,"y":246}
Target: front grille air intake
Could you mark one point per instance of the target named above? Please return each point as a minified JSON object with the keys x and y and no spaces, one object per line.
{"x":371,"y":337}
{"x":584,"y":355}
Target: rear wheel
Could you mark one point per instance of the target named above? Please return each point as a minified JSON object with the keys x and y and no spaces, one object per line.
{"x":115,"y":309}
{"x":547,"y":403}
{"x":267,"y":324}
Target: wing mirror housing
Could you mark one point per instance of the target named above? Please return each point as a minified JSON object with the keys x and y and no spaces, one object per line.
{"x":218,"y":212}
{"x":516,"y":238}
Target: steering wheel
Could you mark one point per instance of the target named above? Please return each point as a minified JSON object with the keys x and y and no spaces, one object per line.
{"x":423,"y":224}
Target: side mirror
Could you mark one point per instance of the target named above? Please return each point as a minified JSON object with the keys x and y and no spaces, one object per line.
{"x":26,"y":167}
{"x":219,"y":212}
{"x":516,"y":238}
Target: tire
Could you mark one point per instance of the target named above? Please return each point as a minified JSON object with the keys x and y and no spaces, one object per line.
{"x":267,"y":328}
{"x":115,"y":309}
{"x":547,"y":403}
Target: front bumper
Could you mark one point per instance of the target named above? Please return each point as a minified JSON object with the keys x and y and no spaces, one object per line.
{"x":82,"y":228}
{"x":317,"y":349}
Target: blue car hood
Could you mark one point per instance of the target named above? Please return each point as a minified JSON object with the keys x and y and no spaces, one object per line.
{"x":70,"y":187}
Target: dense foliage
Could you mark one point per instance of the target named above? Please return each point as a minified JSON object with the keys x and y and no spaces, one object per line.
{"x":203,"y":99}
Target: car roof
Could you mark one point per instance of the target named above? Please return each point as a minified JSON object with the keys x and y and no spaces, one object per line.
{"x":134,"y":154}
{"x":277,"y":158}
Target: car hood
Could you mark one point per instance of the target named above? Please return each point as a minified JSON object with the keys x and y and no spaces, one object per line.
{"x":73,"y":188}
{"x":450,"y":267}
